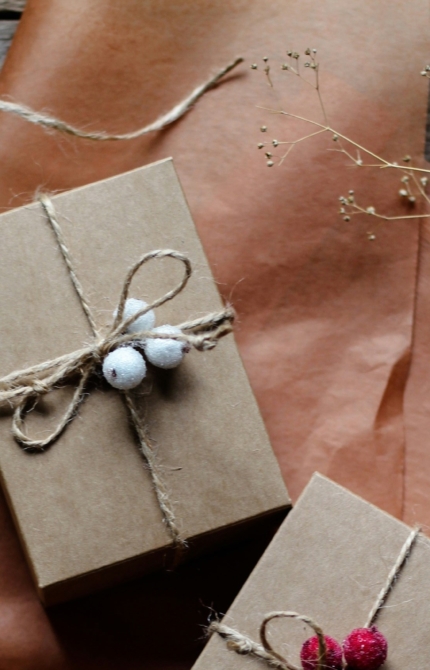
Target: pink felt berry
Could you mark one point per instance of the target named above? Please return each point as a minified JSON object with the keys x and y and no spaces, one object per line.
{"x":309,"y":654}
{"x":365,"y":649}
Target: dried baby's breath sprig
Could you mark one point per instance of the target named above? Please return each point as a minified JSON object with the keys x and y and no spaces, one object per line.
{"x":266,"y":71}
{"x":413,"y":186}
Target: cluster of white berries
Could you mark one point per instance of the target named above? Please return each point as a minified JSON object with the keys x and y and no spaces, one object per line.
{"x":125,"y":367}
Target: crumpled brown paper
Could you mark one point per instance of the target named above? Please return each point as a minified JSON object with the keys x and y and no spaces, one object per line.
{"x":327,"y":319}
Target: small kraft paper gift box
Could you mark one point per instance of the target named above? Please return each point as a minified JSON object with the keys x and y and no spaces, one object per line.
{"x":338,"y":568}
{"x":135,"y":479}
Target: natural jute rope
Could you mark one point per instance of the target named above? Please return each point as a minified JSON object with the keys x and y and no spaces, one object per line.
{"x":23,"y":387}
{"x":174,"y":114}
{"x":242,"y":644}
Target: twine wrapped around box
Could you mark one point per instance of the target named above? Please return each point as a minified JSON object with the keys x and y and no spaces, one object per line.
{"x":263,"y":651}
{"x":23,"y":387}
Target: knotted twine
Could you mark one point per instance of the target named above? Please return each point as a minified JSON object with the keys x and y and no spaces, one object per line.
{"x":244,"y":645}
{"x":24,"y":387}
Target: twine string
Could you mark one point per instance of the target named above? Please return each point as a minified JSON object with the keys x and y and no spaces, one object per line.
{"x":119,"y":325}
{"x":147,"y":451}
{"x":25,"y":387}
{"x":322,"y":647}
{"x":242,"y":644}
{"x":52,"y":123}
{"x":51,"y":217}
{"x":201,"y":336}
{"x":20,"y":412}
{"x":392,"y":577}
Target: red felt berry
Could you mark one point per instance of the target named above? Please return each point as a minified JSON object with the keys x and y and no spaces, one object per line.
{"x":309,"y":654}
{"x":365,"y":649}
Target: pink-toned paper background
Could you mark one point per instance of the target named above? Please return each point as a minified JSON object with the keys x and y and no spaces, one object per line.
{"x":332,"y":328}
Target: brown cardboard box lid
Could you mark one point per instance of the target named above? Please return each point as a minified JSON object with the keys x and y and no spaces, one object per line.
{"x":329,"y":561}
{"x":87,"y":504}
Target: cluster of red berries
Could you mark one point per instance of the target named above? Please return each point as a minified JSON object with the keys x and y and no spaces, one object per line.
{"x":363,"y":649}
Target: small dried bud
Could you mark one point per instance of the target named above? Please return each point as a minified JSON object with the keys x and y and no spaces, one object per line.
{"x":335,"y":138}
{"x":265,"y":59}
{"x":403,"y":192}
{"x":263,"y":129}
{"x":423,"y":73}
{"x":424,"y":181}
{"x":268,"y":154}
{"x":308,"y":52}
{"x":406,"y":159}
{"x":314,"y":51}
{"x":347,"y":218}
{"x":371,"y":236}
{"x":289,"y":53}
{"x":351,"y":192}
{"x":275,"y":143}
{"x":296,"y":55}
{"x":412,"y":198}
{"x":254,"y":66}
{"x":370,"y":210}
{"x":284,"y":66}
{"x":270,"y":163}
{"x":342,"y":210}
{"x":405,"y":178}
{"x":307,"y":64}
{"x":313,"y":66}
{"x":260,"y":145}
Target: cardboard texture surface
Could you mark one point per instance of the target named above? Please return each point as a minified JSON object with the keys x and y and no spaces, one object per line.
{"x":95,"y":505}
{"x":329,"y":561}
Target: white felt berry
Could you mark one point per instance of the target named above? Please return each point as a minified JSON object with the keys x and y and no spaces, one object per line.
{"x":124,"y":368}
{"x":165,"y":353}
{"x":144,"y":322}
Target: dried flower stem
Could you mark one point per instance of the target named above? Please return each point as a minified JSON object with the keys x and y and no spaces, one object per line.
{"x":412,"y":186}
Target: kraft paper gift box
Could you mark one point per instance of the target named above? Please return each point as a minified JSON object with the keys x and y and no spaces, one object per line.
{"x":85,"y":509}
{"x":329,"y":561}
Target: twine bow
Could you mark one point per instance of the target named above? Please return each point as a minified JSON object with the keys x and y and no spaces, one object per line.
{"x":24,"y":387}
{"x":244,"y":645}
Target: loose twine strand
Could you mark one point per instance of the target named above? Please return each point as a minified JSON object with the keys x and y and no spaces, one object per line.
{"x":24,"y":386}
{"x":174,"y":114}
{"x":244,"y":645}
